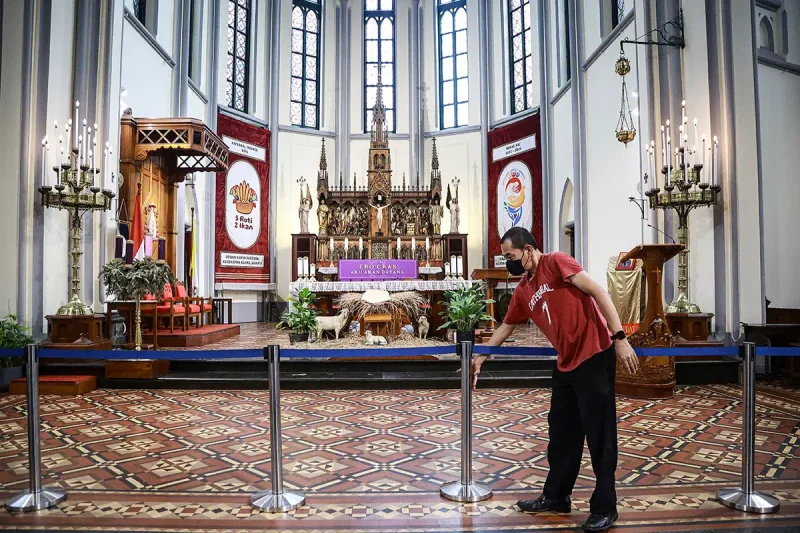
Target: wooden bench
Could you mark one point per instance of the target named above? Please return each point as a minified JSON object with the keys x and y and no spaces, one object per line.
{"x":58,"y":385}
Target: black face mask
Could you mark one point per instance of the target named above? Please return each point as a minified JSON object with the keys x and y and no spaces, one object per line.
{"x":515,"y":267}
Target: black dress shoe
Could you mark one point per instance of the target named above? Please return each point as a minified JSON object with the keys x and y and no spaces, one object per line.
{"x":600,"y":522}
{"x":542,"y":504}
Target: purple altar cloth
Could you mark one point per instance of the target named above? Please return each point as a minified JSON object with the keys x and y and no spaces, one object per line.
{"x":377,"y":269}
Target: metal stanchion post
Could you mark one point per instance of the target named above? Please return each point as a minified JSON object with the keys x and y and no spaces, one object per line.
{"x":35,"y":498}
{"x":746,"y":498}
{"x":466,"y":490}
{"x":276,"y":500}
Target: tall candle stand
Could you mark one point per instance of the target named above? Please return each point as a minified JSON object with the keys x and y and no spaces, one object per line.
{"x":684,"y":191}
{"x":75,"y":191}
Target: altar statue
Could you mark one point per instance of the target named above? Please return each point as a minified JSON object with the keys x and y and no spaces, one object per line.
{"x":455,"y":217}
{"x":150,"y":228}
{"x":379,"y":215}
{"x":305,"y":207}
{"x":437,"y":213}
{"x":323,"y":213}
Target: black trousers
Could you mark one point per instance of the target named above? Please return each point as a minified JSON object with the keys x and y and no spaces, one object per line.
{"x":583,"y":406}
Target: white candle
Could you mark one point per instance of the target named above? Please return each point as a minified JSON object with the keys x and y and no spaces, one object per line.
{"x":86,"y":142}
{"x":398,"y":246}
{"x":653,"y":155}
{"x":714,"y":154}
{"x":69,"y":139}
{"x":299,"y":267}
{"x":413,"y":245}
{"x":683,"y":109}
{"x":447,"y":269}
{"x":680,"y":135}
{"x":453,"y":264}
{"x":360,"y":244}
{"x":77,"y":122}
{"x":663,"y":148}
{"x":346,"y":248}
{"x":58,"y":175}
{"x":313,"y":269}
{"x":703,"y":158}
{"x":330,"y":246}
{"x":80,"y":149}
{"x":694,"y":150}
{"x":427,"y":243}
{"x":669,"y":154}
{"x":460,"y":265}
{"x":44,"y":159}
{"x":306,"y":269}
{"x":90,"y":157}
{"x":641,"y":179}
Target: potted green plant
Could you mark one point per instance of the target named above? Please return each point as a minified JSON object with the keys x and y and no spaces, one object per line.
{"x":133,"y":282}
{"x":464,"y":308}
{"x":12,"y":335}
{"x":301,"y":318}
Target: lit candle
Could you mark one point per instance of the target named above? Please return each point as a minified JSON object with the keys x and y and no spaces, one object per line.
{"x":460,"y":265}
{"x":85,"y":144}
{"x":653,"y":155}
{"x":680,"y":135}
{"x":68,"y":142}
{"x":669,"y":154}
{"x":77,"y":122}
{"x":44,"y":158}
{"x":683,"y":110}
{"x":80,"y":150}
{"x":703,"y":158}
{"x":715,"y":154}
{"x":663,"y":147}
{"x":90,"y":156}
{"x":685,"y":144}
{"x":694,"y":150}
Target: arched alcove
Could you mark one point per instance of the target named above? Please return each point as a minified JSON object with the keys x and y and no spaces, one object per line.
{"x":766,"y":35}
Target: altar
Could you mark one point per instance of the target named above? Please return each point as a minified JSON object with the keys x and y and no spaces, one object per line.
{"x":381,"y":236}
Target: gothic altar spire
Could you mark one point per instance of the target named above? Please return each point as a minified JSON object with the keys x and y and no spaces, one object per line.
{"x":380,"y":130}
{"x":323,"y":161}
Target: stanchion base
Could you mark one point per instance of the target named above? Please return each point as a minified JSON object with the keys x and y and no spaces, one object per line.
{"x":755,"y":502}
{"x":277,"y":503}
{"x":458,"y":492}
{"x":35,"y":501}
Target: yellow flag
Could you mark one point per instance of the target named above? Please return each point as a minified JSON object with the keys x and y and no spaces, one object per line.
{"x":194,"y":247}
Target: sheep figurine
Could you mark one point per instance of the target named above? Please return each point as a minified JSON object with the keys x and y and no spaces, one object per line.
{"x":373,"y":340}
{"x":332,"y":323}
{"x":423,"y":327}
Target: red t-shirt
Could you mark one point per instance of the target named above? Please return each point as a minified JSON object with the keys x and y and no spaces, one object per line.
{"x":568,"y":317}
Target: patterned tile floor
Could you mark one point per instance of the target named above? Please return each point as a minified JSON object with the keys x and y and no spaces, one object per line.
{"x":373,"y":461}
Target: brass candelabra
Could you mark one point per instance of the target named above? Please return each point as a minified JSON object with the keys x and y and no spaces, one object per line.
{"x":684,"y":191}
{"x":75,"y":191}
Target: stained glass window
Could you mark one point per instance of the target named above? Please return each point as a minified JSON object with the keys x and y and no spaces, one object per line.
{"x":139,"y":9}
{"x":306,"y":54}
{"x":238,"y":57}
{"x":520,"y":54}
{"x":453,"y":70}
{"x":379,"y":54}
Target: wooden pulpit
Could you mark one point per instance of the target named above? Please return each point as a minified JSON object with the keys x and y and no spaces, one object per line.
{"x":656,"y":375}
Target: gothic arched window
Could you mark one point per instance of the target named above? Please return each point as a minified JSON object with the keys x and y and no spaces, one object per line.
{"x":306,"y":60}
{"x":520,"y":54}
{"x":379,"y":55}
{"x":453,"y":69}
{"x":237,"y":76}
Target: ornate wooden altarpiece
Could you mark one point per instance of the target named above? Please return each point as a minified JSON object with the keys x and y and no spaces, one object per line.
{"x":158,"y":154}
{"x":408,"y":210}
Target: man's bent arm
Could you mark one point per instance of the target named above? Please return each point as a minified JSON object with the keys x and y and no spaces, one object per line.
{"x":500,"y":335}
{"x":601,"y":296}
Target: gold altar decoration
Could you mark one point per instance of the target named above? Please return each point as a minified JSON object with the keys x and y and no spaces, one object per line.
{"x":76,"y":191}
{"x":378,"y":220}
{"x":626,"y":130}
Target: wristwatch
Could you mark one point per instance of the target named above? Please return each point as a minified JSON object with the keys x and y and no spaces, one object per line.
{"x":618,"y":336}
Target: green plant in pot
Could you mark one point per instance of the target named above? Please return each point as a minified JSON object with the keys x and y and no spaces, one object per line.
{"x":464,"y":308}
{"x":301,"y":318}
{"x":12,"y":335}
{"x":133,"y":282}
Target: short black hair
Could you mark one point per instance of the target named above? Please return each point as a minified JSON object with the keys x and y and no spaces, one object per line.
{"x":519,"y":238}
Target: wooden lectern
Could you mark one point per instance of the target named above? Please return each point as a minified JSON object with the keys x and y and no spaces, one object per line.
{"x":656,"y":375}
{"x":491,"y":277}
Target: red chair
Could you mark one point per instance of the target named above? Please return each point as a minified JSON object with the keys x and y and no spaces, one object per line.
{"x":193,"y":307}
{"x":168,"y":308}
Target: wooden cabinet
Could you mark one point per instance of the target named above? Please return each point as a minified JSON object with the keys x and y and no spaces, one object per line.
{"x":456,"y":244}
{"x":303,"y":245}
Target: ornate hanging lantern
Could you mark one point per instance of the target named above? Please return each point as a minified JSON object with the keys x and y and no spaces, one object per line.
{"x":626,"y":131}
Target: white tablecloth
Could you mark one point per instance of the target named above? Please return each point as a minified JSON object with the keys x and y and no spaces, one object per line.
{"x":418,"y":285}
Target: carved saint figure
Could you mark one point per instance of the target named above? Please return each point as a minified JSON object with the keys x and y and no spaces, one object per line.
{"x":379,"y":215}
{"x":323,"y":213}
{"x":455,"y":217}
{"x":151,"y":226}
{"x":305,"y":207}
{"x":437,"y":213}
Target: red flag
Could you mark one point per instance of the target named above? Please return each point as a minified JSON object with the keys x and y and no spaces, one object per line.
{"x":137,"y":227}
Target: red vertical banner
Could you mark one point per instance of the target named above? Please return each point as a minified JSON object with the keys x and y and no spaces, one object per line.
{"x":242,"y":198}
{"x":515,"y":181}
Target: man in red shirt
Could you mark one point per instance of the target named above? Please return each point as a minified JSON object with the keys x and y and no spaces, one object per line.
{"x":575,"y":314}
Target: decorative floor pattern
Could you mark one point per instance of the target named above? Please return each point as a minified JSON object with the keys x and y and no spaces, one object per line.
{"x":374,"y":460}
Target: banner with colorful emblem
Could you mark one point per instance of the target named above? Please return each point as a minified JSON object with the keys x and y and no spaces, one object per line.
{"x":515,"y":181}
{"x":242,"y":198}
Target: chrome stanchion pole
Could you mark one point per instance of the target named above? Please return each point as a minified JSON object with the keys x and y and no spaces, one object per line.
{"x":746,"y":498}
{"x":276,"y":500}
{"x":466,"y":490}
{"x":35,"y":498}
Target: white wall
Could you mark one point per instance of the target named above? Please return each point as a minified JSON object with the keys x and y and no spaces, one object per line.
{"x":562,"y":163}
{"x":780,"y":127}
{"x":145,"y":75}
